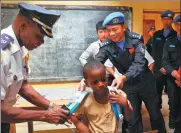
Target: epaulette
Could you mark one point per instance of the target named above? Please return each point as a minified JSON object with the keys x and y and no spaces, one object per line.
{"x":169,"y":38}
{"x":106,"y":42}
{"x":136,"y":36}
{"x":5,"y":41}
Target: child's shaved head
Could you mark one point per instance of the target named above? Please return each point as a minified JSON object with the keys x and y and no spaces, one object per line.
{"x":91,"y":65}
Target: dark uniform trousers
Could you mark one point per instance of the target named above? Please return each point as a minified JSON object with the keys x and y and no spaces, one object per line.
{"x":139,"y":90}
{"x":178,"y":123}
{"x":161,"y":82}
{"x":178,"y":128}
{"x":157,"y":51}
{"x":5,"y":127}
{"x":174,"y":102}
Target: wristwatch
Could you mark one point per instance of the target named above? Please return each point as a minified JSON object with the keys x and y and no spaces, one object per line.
{"x":50,"y":105}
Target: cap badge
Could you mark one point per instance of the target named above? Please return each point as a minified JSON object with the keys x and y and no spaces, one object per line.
{"x":169,"y":15}
{"x":115,"y":21}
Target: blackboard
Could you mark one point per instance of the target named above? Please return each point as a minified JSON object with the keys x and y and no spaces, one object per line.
{"x":57,"y":59}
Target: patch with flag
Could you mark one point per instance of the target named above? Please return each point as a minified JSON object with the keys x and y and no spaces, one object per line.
{"x":131,"y":50}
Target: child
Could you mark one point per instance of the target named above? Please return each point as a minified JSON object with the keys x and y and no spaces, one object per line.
{"x":95,"y":114}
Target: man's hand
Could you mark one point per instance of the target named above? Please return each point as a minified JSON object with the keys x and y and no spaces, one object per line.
{"x":118,"y":97}
{"x":56,"y":116}
{"x":175,"y":75}
{"x":81,"y":86}
{"x":55,"y":107}
{"x":119,"y":82}
{"x":163,"y":71}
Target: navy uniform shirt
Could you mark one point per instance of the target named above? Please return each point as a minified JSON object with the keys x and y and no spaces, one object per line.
{"x":157,"y":47}
{"x":171,"y":59}
{"x":131,"y":64}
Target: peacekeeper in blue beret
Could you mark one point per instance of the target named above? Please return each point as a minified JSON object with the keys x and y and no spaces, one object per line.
{"x":27,"y":32}
{"x":171,"y":61}
{"x":126,"y":51}
{"x":159,"y":39}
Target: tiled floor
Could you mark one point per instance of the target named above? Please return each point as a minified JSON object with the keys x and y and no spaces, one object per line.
{"x":22,"y":128}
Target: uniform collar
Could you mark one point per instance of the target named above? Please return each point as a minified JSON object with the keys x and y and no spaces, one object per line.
{"x":15,"y":45}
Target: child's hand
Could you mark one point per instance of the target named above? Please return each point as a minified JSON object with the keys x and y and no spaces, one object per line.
{"x":118,"y":97}
{"x":178,"y":82}
{"x":79,"y":123}
{"x":74,"y":118}
{"x":77,"y":118}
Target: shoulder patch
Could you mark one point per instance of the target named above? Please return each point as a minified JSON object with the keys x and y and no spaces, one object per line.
{"x":106,"y":42}
{"x":5,"y":41}
{"x":136,"y":36}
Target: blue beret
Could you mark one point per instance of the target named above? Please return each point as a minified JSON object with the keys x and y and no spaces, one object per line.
{"x":167,"y":13}
{"x":114,"y":18}
{"x":43,"y":17}
{"x":151,"y":27}
{"x":177,"y":19}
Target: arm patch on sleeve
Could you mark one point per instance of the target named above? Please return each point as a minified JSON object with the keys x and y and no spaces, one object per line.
{"x":5,"y":41}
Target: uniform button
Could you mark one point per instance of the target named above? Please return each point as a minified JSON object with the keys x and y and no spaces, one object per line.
{"x":15,"y":77}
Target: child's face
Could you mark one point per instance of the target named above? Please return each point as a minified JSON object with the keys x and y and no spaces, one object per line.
{"x":97,"y":80}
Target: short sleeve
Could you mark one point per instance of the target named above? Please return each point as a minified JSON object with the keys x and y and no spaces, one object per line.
{"x":4,"y":69}
{"x":108,"y":63}
{"x":149,"y":58}
{"x":87,"y":54}
{"x":80,"y":110}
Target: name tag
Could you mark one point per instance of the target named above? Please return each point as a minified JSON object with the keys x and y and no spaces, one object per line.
{"x":172,"y":46}
{"x":158,"y":38}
